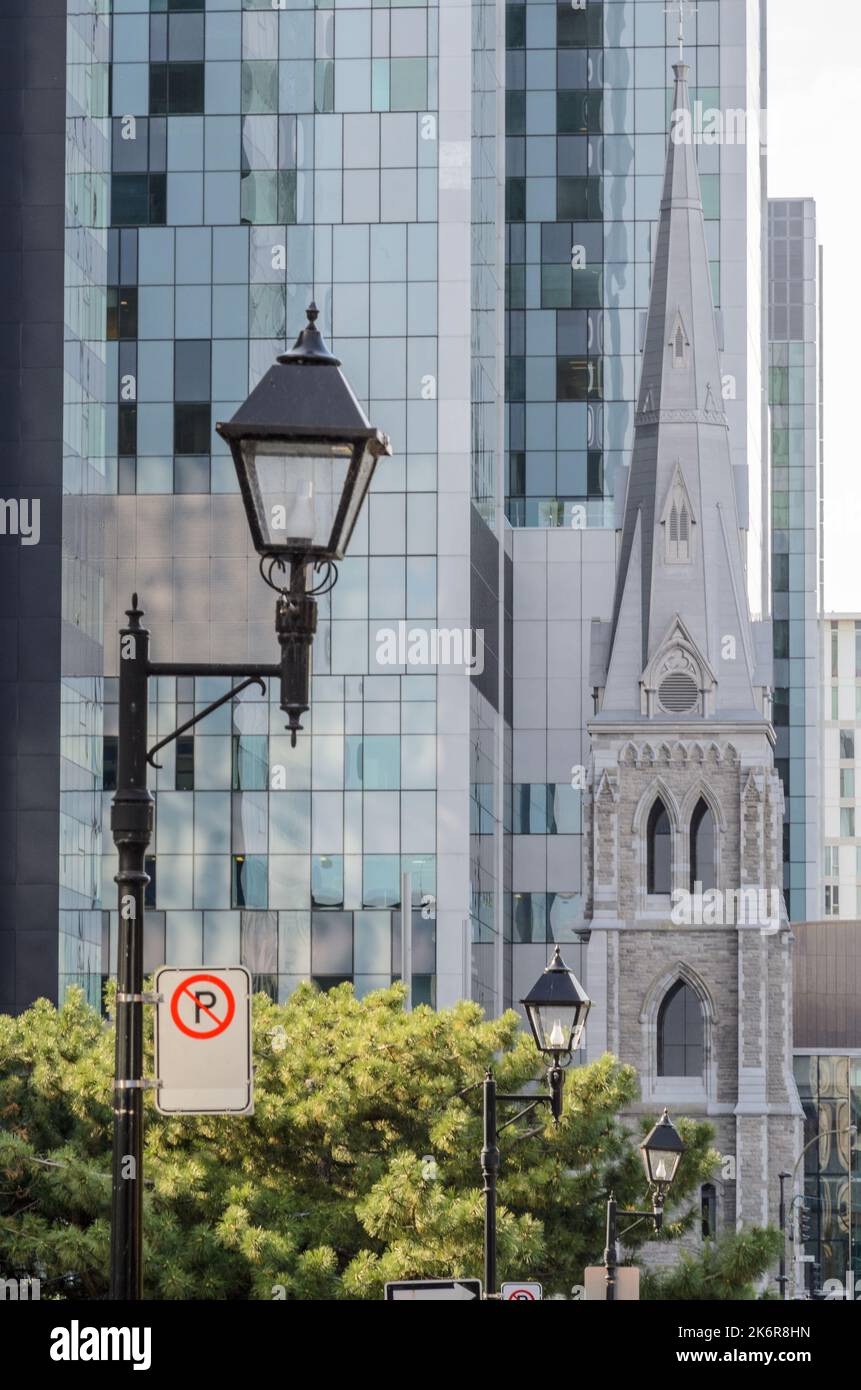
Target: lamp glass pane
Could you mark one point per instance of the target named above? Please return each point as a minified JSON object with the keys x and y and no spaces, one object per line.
{"x":554,"y":1024}
{"x":367,"y":464}
{"x":663,"y":1164}
{"x":296,"y":489}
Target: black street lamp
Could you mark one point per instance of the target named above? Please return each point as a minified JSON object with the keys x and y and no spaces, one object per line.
{"x":305,"y":454}
{"x":661,"y":1151}
{"x":556,"y":1007}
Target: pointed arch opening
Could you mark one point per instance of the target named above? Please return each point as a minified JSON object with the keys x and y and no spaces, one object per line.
{"x":679,"y":347}
{"x":681,"y":1032}
{"x":658,"y":850}
{"x":679,"y":344}
{"x":679,"y":521}
{"x":703,"y":845}
{"x":678,"y":531}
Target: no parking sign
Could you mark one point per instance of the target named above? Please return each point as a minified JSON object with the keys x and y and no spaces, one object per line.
{"x":203,"y":1041}
{"x":524,"y":1291}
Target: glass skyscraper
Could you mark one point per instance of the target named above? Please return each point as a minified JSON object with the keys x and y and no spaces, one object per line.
{"x":432,"y":174}
{"x":265,"y":153}
{"x":588,"y":99}
{"x":794,"y":394}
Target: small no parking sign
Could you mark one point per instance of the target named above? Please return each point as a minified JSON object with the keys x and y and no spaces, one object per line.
{"x":203,"y":1041}
{"x":526,"y":1291}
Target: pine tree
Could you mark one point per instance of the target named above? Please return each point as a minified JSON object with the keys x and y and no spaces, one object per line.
{"x":359,"y":1165}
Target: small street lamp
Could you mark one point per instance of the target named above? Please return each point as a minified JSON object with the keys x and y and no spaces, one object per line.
{"x":661,"y":1151}
{"x":305,"y":454}
{"x":556,"y":1006}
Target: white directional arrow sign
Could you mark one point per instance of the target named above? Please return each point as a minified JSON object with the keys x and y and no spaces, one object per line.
{"x":448,"y":1290}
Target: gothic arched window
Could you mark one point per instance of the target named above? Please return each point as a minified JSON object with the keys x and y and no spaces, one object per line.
{"x":679,"y":344}
{"x":658,"y":850}
{"x":680,"y":1033}
{"x":702,"y":847}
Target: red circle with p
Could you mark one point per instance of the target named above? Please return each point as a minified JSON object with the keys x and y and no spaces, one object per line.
{"x":203,"y":1011}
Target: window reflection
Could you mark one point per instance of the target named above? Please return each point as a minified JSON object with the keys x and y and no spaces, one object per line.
{"x":381,"y":880}
{"x":327,"y":880}
{"x":249,"y":887}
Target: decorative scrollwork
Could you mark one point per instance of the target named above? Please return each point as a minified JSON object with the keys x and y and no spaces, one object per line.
{"x":270,"y":564}
{"x":329,"y":580}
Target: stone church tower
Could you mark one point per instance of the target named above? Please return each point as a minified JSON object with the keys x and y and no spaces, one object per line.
{"x":690,"y":959}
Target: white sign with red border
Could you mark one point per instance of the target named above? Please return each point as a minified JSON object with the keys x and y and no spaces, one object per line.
{"x":203,"y":1041}
{"x":526,"y":1291}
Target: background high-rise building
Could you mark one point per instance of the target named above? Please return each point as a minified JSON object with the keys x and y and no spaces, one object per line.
{"x":265,"y":154}
{"x":55,"y":157}
{"x":794,"y":394}
{"x":227,"y":160}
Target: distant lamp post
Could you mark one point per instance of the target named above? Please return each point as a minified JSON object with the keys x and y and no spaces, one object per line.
{"x":661,"y":1152}
{"x":556,"y":1007}
{"x":305,"y":454}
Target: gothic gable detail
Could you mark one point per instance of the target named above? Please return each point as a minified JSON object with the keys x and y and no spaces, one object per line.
{"x":605,"y":844}
{"x":678,"y":680}
{"x":607,"y":790}
{"x":683,"y":754}
{"x":753,"y":819}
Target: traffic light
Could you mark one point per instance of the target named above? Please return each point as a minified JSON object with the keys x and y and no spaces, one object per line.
{"x":804,"y":1221}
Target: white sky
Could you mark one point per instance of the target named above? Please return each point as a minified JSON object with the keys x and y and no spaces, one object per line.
{"x":814,"y":91}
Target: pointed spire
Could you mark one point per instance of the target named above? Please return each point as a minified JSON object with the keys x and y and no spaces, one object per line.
{"x":681,"y":443}
{"x":678,"y":6}
{"x":681,"y":177}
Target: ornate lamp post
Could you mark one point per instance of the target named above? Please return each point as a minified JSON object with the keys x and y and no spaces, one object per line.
{"x":305,"y":454}
{"x":556,"y":1006}
{"x":661,"y":1151}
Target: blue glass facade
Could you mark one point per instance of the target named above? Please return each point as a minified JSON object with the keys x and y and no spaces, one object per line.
{"x":588,"y":102}
{"x":252,"y":154}
{"x":262,"y":154}
{"x":796,"y":500}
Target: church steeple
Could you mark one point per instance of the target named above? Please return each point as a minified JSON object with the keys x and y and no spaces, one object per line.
{"x":683,"y":810}
{"x":680,"y":560}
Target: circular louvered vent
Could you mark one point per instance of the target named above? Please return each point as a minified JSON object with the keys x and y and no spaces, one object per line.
{"x":678,"y":693}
